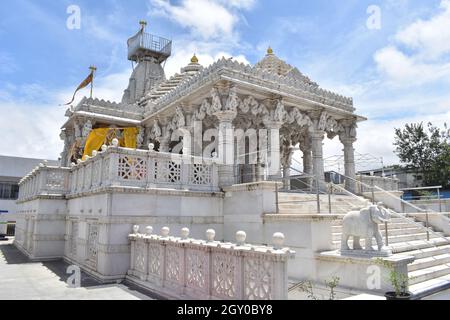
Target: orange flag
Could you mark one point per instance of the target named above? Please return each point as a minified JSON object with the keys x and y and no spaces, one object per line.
{"x":82,"y":85}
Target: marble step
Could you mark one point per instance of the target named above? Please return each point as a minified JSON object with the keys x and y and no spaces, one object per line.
{"x":413,"y":246}
{"x":403,"y":238}
{"x":391,"y":226}
{"x":308,"y":208}
{"x":429,"y":287}
{"x":428,"y":262}
{"x":429,"y":252}
{"x":428,"y":273}
{"x":391,"y":232}
{"x":321,"y":197}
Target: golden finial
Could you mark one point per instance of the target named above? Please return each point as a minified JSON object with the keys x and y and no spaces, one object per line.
{"x":143,"y":24}
{"x":93,"y":68}
{"x":269,"y":50}
{"x":194,"y":59}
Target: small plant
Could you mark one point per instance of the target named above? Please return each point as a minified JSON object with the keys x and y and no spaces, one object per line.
{"x":398,"y":280}
{"x":332,"y":284}
{"x":307,"y":287}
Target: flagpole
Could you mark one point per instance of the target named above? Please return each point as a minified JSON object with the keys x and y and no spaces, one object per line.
{"x":93,"y":69}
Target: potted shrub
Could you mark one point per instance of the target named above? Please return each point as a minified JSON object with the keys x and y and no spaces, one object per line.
{"x":399,"y":281}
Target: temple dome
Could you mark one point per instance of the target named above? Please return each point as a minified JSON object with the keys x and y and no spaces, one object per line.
{"x":273,"y":64}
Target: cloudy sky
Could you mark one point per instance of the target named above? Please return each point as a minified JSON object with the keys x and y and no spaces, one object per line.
{"x":397,"y":67}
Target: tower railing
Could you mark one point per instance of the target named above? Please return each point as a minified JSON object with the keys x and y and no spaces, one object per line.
{"x":147,"y":41}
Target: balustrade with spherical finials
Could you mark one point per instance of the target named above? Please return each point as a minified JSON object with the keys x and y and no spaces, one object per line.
{"x":182,"y":267}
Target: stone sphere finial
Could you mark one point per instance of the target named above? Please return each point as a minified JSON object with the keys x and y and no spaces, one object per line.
{"x":135,"y":229}
{"x":165,"y":231}
{"x":41,"y":165}
{"x":149,"y":230}
{"x":79,"y":161}
{"x":240,"y":237}
{"x":73,"y":164}
{"x":185,"y":233}
{"x":94,"y":153}
{"x":214,"y":155}
{"x":278,"y":240}
{"x":45,"y":163}
{"x":115,"y":142}
{"x":210,"y":235}
{"x":104,"y":147}
{"x":151,"y":146}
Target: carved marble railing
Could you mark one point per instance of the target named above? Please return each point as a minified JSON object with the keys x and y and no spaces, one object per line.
{"x":44,"y":180}
{"x":121,"y":167}
{"x":198,"y":269}
{"x":385,"y":183}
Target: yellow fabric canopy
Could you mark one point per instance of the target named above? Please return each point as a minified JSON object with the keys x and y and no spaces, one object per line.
{"x":100,"y":136}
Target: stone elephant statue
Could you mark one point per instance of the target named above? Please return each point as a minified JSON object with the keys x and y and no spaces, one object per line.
{"x":363,"y":224}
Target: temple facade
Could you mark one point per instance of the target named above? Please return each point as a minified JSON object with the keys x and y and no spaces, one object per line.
{"x":209,"y":149}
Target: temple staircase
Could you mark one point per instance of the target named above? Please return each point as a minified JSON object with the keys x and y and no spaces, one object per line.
{"x":430,"y":271}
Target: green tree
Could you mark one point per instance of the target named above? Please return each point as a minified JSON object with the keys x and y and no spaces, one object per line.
{"x":439,"y":173}
{"x":425,"y":150}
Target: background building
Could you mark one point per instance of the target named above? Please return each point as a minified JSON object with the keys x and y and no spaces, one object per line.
{"x":12,"y":169}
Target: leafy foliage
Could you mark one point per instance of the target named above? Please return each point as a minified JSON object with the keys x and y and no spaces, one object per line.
{"x":425,"y":150}
{"x":398,"y":280}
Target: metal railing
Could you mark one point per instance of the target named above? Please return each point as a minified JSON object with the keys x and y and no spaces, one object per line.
{"x":151,"y":42}
{"x":364,"y":188}
{"x":312,"y":190}
{"x":438,"y":195}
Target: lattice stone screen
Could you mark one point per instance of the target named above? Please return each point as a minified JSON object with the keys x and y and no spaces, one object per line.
{"x":120,"y":167}
{"x":197,"y":269}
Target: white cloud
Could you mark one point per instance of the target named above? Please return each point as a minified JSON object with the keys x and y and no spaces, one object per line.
{"x":428,"y":42}
{"x":430,"y":37}
{"x":205,"y":18}
{"x":406,"y":70}
{"x":207,"y":53}
{"x":375,"y":141}
{"x":32,"y":129}
{"x":239,"y":4}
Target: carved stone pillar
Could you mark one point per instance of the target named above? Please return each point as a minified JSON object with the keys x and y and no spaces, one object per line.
{"x":348,"y":138}
{"x":349,"y":163}
{"x":317,"y":154}
{"x":305,"y":148}
{"x":226,"y":147}
{"x":273,"y":140}
{"x":286,"y":162}
{"x":187,"y":140}
{"x":164,"y":142}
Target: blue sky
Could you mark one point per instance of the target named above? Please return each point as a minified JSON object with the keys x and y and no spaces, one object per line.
{"x":396,"y":74}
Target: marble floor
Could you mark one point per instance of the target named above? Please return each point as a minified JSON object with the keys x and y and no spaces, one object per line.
{"x":22,"y":279}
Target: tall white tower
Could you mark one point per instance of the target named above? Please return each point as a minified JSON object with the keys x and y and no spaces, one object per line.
{"x":149,"y":52}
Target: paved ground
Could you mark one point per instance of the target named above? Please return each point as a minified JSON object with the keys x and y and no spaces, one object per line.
{"x":23,"y":279}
